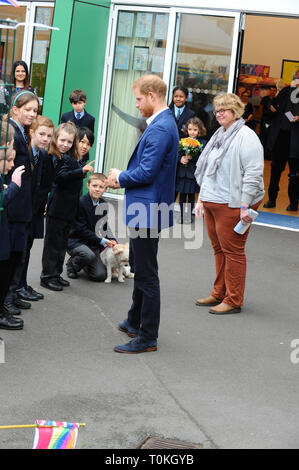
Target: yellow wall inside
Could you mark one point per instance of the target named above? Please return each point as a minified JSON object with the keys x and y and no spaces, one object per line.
{"x":269,"y":40}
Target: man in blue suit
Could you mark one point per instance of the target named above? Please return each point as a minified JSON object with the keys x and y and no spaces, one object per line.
{"x":149,"y":198}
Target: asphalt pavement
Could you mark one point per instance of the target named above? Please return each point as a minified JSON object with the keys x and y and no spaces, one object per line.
{"x":226,"y":382}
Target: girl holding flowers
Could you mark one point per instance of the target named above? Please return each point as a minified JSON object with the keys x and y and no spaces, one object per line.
{"x":189,"y":151}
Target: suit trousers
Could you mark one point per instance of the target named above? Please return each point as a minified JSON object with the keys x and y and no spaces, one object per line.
{"x":88,"y":259}
{"x":55,"y":244}
{"x":144,"y":313}
{"x":229,"y":251}
{"x":280,"y":157}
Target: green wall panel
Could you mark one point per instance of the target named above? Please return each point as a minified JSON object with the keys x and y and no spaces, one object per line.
{"x":86,"y":56}
{"x":57,"y":59}
{"x":77,"y":57}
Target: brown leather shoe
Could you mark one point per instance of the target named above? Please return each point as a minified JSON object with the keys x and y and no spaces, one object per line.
{"x":207,"y":301}
{"x":223,"y":309}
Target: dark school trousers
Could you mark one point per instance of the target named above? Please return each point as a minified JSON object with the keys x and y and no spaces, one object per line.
{"x":280,"y":157}
{"x":144,"y":313}
{"x":7,"y":270}
{"x":55,"y":245}
{"x":18,"y":271}
{"x":23,"y":279}
{"x":88,"y":259}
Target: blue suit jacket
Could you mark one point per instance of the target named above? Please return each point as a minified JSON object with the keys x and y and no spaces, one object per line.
{"x":150,"y":176}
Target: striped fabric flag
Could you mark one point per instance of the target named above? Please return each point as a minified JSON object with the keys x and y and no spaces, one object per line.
{"x":14,"y":3}
{"x":55,"y":435}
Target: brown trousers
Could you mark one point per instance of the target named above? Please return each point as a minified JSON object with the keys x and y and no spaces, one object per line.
{"x":229,"y":251}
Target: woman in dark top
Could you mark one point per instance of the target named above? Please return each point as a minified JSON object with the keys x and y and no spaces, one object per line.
{"x":20,"y":78}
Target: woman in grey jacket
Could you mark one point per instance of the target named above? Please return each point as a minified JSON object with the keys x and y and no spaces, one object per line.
{"x":230,"y":175}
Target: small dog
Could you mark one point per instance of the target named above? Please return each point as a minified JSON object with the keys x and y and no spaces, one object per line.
{"x":117,"y":259}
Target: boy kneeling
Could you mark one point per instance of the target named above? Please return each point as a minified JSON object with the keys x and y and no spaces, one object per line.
{"x":85,"y":242}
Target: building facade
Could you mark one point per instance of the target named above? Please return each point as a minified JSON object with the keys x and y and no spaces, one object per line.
{"x":103,"y":46}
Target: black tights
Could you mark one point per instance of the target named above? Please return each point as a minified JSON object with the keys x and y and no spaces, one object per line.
{"x":190,"y":205}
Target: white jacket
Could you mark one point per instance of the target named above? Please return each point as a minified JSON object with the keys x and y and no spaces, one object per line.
{"x":246,"y":157}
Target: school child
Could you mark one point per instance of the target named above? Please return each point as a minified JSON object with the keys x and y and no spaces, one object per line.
{"x":84,"y":243}
{"x":79,"y":116}
{"x":185,"y":181}
{"x":63,"y":203}
{"x":25,"y":106}
{"x":10,"y":250}
{"x":41,"y":132}
{"x":179,"y":108}
{"x":86,"y":140}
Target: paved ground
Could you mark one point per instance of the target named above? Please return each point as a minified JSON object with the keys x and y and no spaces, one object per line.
{"x":223,"y":382}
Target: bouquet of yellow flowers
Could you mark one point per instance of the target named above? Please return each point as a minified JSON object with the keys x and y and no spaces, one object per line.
{"x":190,"y":147}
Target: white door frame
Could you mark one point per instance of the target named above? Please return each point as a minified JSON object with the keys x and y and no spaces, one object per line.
{"x":28,"y":30}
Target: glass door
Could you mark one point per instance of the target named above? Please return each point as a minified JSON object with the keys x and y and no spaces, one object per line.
{"x":6,"y":49}
{"x":195,"y":48}
{"x":139,"y":48}
{"x":204,"y":58}
{"x":32,"y":43}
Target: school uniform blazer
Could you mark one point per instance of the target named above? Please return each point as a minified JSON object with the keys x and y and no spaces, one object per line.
{"x":186,"y":171}
{"x":184,"y":117}
{"x":20,"y":209}
{"x":87,"y":224}
{"x":9,"y":194}
{"x":42,"y":179}
{"x":63,"y":201}
{"x":150,"y":176}
{"x":87,"y":121}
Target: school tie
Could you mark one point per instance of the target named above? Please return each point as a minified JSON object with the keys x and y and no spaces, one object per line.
{"x":25,"y":137}
{"x":78,"y":116}
{"x":178,"y":114}
{"x":35,"y":158}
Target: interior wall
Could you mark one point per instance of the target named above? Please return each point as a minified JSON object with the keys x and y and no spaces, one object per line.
{"x":269,"y":40}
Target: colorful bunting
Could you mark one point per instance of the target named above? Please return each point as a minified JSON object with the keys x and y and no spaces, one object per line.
{"x":14,"y":3}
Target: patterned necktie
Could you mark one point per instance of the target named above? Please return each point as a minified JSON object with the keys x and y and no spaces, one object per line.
{"x":178,"y":114}
{"x":35,"y":158}
{"x":78,"y":116}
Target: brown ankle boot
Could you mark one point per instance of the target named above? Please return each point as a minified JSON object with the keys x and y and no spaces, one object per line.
{"x":207,"y":301}
{"x":223,"y":309}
